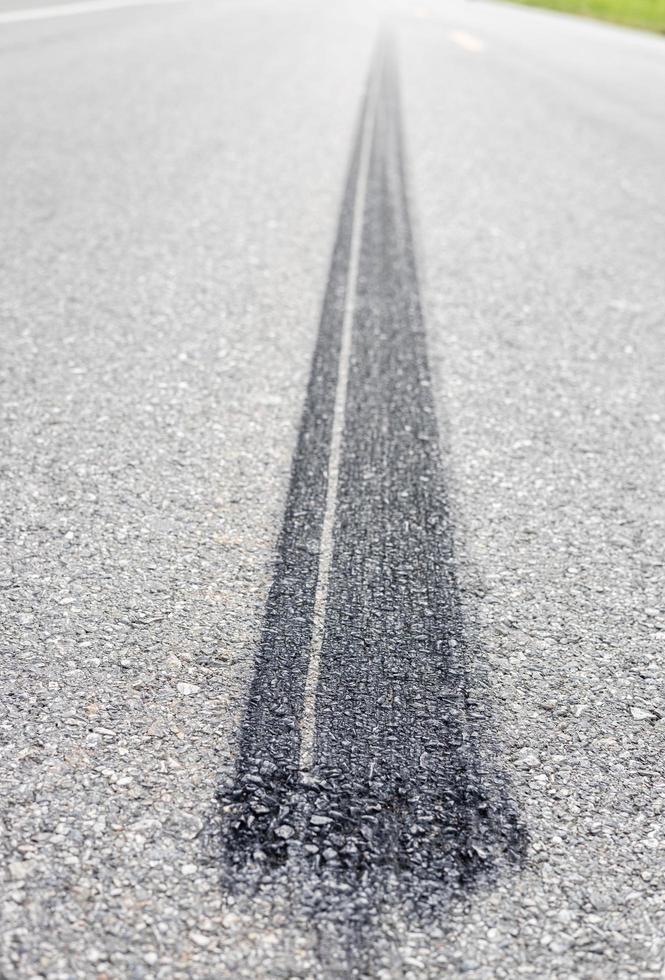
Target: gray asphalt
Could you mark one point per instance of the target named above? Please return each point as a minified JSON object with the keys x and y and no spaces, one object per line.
{"x":170,"y":184}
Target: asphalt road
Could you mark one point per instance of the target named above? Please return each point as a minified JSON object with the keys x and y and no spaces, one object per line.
{"x":254,"y":306}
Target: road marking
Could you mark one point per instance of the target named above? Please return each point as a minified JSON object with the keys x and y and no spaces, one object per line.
{"x":467,"y":41}
{"x":307,"y":721}
{"x":73,"y":9}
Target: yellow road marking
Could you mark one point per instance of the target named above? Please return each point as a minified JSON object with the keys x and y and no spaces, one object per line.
{"x":467,"y":41}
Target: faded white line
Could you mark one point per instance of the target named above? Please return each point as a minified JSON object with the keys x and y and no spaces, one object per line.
{"x":308,"y":719}
{"x":467,"y":41}
{"x":73,"y":9}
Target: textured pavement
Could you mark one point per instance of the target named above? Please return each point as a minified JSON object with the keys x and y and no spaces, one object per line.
{"x":170,"y":187}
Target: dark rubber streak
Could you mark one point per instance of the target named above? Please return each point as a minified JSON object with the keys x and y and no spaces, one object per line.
{"x":269,"y":744}
{"x":398,"y":805}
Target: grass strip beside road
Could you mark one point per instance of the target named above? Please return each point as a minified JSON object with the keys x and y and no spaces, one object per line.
{"x":646,"y":14}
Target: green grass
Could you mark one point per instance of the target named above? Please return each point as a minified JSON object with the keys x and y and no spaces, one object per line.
{"x":647,"y":14}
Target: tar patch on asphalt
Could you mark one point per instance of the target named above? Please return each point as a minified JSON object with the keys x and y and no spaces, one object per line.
{"x":391,"y":802}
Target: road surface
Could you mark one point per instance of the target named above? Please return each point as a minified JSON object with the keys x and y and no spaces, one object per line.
{"x":332,"y":379}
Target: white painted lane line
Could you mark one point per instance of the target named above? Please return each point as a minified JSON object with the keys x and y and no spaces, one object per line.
{"x":467,"y":41}
{"x":73,"y":9}
{"x":308,"y":718}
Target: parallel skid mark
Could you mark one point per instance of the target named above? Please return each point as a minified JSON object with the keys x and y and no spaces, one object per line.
{"x":392,"y":803}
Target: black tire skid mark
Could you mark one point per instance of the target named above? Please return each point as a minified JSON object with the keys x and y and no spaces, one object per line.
{"x":267,"y":765}
{"x":397,"y":805}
